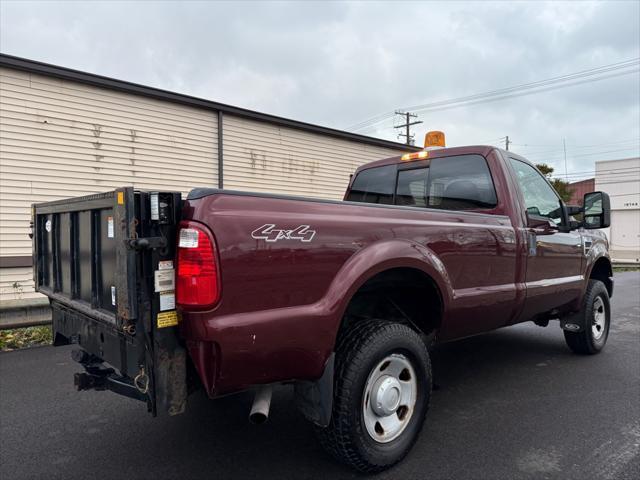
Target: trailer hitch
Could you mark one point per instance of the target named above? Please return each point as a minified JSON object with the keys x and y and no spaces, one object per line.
{"x":99,"y":377}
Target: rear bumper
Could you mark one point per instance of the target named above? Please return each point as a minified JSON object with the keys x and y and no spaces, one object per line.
{"x":234,"y":352}
{"x":156,"y":376}
{"x":95,"y":337}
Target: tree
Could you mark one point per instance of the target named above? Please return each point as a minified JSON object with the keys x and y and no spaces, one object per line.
{"x":562,"y":187}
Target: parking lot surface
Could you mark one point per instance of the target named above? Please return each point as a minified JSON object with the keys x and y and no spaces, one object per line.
{"x":514,"y":403}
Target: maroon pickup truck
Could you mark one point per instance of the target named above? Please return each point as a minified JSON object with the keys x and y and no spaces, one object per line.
{"x":229,"y":291}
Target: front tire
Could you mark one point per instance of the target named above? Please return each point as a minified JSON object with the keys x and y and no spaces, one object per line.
{"x":595,"y":317}
{"x":381,"y":396}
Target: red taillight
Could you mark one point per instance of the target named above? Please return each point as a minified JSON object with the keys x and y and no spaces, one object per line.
{"x":197,"y":283}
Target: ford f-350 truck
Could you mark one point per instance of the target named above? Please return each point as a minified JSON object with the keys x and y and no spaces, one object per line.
{"x":229,"y":291}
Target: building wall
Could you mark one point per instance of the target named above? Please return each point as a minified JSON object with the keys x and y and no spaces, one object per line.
{"x":578,"y":189}
{"x":63,"y":138}
{"x":621,"y":180}
{"x":263,"y":157}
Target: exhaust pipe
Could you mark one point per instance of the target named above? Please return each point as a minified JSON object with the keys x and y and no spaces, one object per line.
{"x":261,"y":404}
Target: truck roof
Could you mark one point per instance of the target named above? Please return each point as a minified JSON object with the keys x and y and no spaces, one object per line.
{"x":433,"y":153}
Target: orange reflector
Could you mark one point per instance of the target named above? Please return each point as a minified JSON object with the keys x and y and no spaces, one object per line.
{"x":413,"y":156}
{"x":434,"y":139}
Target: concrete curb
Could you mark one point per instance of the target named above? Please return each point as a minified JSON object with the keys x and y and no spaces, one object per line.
{"x":28,"y":312}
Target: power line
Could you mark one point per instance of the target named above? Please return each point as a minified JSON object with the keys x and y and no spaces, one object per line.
{"x":529,"y":145}
{"x":580,"y":155}
{"x":468,"y":99}
{"x":598,"y":178}
{"x":580,"y":178}
{"x":610,"y":170}
{"x":504,"y":97}
{"x":483,"y":142}
{"x":614,"y":174}
{"x":510,"y":91}
{"x":631,"y":171}
{"x":539,"y":83}
{"x":603,"y":174}
{"x":579,"y":147}
{"x":618,"y":181}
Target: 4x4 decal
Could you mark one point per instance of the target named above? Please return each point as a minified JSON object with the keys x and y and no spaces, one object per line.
{"x":270,"y":233}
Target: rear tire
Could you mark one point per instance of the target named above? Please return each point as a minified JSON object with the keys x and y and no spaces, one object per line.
{"x":595,"y":316}
{"x":382,"y":390}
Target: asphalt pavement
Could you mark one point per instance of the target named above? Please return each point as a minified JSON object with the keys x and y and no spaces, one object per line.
{"x":511,"y":404}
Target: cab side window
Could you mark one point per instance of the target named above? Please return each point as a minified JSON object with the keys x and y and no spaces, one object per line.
{"x":540,"y":198}
{"x":374,"y":185}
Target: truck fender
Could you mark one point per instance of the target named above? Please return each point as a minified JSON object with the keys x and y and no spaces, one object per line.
{"x":377,"y":258}
{"x":575,"y":322}
{"x":315,"y":398}
{"x":596,"y":254}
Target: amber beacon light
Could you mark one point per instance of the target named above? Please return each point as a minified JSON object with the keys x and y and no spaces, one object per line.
{"x":434,"y":139}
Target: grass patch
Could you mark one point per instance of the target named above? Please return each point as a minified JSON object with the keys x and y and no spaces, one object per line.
{"x":626,"y":268}
{"x":25,"y":337}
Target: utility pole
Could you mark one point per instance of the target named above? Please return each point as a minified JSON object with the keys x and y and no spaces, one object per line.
{"x":506,"y":143}
{"x":408,"y":116}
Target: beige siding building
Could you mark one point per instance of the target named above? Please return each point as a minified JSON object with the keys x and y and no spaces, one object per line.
{"x":66,"y":133}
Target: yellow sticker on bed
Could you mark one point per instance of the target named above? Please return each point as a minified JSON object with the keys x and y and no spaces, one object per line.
{"x":167,"y":319}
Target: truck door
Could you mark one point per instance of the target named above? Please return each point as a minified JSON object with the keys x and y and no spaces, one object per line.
{"x":554,"y":258}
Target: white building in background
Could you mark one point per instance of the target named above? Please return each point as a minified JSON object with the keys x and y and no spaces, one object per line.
{"x":621,"y":180}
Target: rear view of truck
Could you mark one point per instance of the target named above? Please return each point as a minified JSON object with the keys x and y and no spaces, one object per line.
{"x":106,"y":262}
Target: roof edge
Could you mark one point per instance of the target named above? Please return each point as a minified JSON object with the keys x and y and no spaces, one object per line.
{"x":64,"y":73}
{"x":618,"y":160}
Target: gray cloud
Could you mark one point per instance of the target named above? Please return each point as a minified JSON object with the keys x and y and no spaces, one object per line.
{"x":337,"y":64}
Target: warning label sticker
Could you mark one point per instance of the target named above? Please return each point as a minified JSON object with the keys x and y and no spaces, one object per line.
{"x":164,"y":280}
{"x":110,"y":227}
{"x":155,"y":210}
{"x":167,"y":301}
{"x":167,"y":319}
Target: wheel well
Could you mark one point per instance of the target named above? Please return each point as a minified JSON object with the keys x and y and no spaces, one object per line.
{"x":404,"y":295}
{"x":602,"y":271}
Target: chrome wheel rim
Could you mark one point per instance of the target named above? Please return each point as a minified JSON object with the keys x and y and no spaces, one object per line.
{"x":389,"y":398}
{"x":599,"y":318}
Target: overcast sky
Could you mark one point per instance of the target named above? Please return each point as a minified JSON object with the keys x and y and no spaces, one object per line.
{"x":338,"y":64}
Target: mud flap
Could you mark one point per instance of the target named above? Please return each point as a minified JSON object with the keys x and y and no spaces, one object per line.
{"x":573,"y":323}
{"x":315,"y":399}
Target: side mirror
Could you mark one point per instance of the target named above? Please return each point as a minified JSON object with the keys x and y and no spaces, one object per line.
{"x":597,"y":210}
